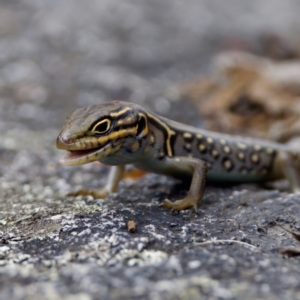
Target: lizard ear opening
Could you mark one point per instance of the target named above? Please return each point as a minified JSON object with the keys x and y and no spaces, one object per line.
{"x":142,"y":126}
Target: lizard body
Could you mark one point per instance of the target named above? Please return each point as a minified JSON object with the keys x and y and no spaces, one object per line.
{"x":119,"y":133}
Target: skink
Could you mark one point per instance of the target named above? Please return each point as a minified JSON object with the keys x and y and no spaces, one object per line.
{"x":118,"y":133}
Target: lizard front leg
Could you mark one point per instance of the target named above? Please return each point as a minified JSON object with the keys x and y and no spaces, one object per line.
{"x":114,"y":177}
{"x":199,"y":169}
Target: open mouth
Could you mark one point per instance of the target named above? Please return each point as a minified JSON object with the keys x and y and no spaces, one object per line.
{"x":80,"y":157}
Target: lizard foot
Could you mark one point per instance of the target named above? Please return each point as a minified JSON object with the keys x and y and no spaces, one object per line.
{"x":181,"y":204}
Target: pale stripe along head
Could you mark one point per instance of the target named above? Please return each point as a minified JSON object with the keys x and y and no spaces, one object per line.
{"x":102,"y":132}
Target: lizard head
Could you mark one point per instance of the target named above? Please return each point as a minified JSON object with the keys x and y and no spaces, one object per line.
{"x":113,"y":133}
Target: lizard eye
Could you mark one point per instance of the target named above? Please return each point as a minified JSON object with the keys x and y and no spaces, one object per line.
{"x":101,"y":126}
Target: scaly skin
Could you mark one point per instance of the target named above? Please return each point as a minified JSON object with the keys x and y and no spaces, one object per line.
{"x":119,"y":133}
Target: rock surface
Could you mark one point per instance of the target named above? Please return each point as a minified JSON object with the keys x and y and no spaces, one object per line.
{"x":59,"y":55}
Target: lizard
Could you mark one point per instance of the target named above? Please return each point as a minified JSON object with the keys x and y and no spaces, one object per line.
{"x":117,"y":133}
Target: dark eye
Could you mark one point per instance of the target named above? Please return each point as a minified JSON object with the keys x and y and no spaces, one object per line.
{"x":101,"y":126}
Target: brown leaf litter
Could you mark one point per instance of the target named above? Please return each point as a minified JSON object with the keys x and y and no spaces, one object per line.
{"x":249,"y":95}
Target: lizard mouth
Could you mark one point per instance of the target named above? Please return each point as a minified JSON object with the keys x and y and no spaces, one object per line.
{"x":80,"y":157}
{"x":75,"y":156}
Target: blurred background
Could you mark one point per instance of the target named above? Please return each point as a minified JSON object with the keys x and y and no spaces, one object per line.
{"x":56,"y":56}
